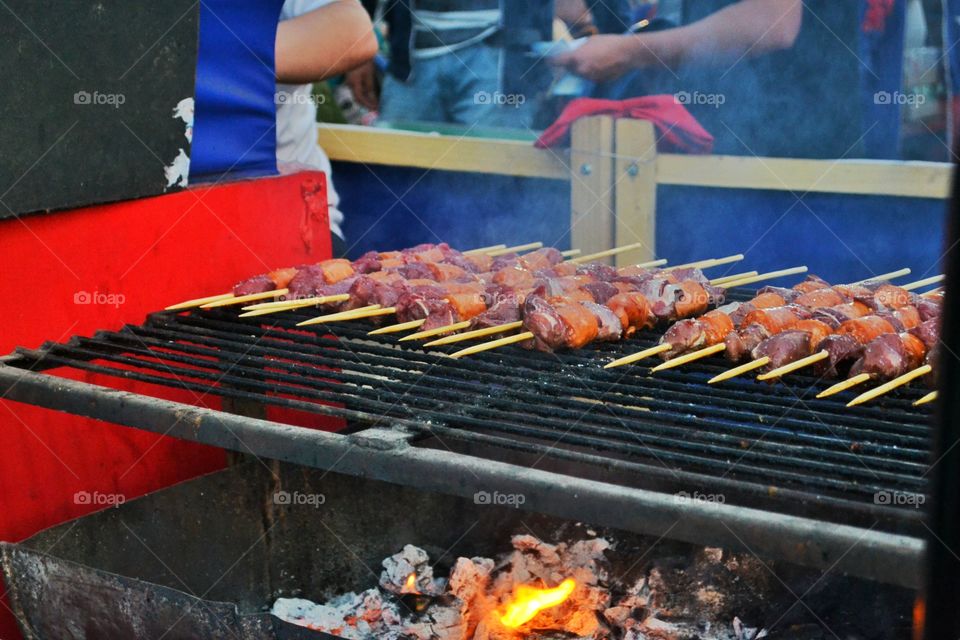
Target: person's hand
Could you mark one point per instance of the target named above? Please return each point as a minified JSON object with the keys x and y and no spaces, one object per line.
{"x":600,"y":58}
{"x":363,"y":83}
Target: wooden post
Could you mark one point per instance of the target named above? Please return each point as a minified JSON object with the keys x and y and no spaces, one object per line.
{"x":591,"y":184}
{"x":635,"y":188}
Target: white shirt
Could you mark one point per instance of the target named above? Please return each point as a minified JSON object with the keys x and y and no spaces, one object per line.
{"x":297,"y":121}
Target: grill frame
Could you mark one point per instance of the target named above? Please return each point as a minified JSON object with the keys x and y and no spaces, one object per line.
{"x":397,"y":450}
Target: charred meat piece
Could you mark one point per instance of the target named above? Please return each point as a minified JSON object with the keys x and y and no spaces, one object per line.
{"x":601,"y":291}
{"x":865,"y":329}
{"x":542,"y":320}
{"x":256,"y":284}
{"x":695,"y":333}
{"x":635,"y":308}
{"x":367,"y":263}
{"x":502,"y":311}
{"x":928,"y":332}
{"x":843,"y":350}
{"x":811,"y":283}
{"x":609,"y":326}
{"x":598,"y":271}
{"x":784,"y":348}
{"x":891,"y":296}
{"x":776,"y":319}
{"x":928,"y":308}
{"x":739,"y":344}
{"x":541,"y":259}
{"x":820,"y":298}
{"x":890,"y":355}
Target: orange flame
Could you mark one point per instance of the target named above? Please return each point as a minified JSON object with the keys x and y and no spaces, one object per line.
{"x":529,"y":601}
{"x":410,"y":586}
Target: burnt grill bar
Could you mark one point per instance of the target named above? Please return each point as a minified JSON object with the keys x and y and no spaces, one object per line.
{"x":799,"y":476}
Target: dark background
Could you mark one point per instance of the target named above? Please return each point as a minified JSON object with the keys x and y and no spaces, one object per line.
{"x":56,"y":153}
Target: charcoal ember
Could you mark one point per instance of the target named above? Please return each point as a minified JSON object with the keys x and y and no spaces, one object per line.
{"x":354,"y":616}
{"x":439,"y":623}
{"x":710,"y":589}
{"x":655,"y":629}
{"x":538,"y":563}
{"x":410,"y":560}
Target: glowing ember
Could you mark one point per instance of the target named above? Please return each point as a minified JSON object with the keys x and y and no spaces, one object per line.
{"x":410,"y":586}
{"x":529,"y":601}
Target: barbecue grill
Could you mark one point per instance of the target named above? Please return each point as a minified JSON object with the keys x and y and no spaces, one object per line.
{"x":745,"y":465}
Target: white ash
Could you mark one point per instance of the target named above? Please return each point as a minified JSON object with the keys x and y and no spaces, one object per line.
{"x":409,"y":561}
{"x":468,"y":605}
{"x":375,"y":617}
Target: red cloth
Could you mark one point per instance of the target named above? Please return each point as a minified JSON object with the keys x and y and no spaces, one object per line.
{"x":677,"y":129}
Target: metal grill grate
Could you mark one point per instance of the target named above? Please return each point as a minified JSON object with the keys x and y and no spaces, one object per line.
{"x":773,"y":447}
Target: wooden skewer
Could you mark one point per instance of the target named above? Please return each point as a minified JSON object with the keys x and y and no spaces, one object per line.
{"x":397,"y":328}
{"x":305,"y":302}
{"x":609,"y":252}
{"x":736,"y":276}
{"x":438,"y":331}
{"x":253,"y":297}
{"x":290,"y":305}
{"x":793,"y":366}
{"x":711,"y":262}
{"x":640,"y":355}
{"x":520,"y":247}
{"x":843,"y":385}
{"x":493,"y":344}
{"x":922,"y":283}
{"x":887,"y":387}
{"x":494,"y":247}
{"x":930,"y":397}
{"x":569,"y":253}
{"x":196,"y":302}
{"x":764,"y":276}
{"x":690,"y":357}
{"x":742,"y":369}
{"x":885,"y":276}
{"x":370,"y":311}
{"x":931,"y":293}
{"x":799,"y":364}
{"x":478,"y":333}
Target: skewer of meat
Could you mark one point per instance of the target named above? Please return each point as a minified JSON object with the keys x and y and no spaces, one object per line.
{"x":893,"y":309}
{"x":759,"y":323}
{"x":602,"y":281}
{"x":270,"y":285}
{"x":445,"y":294}
{"x":890,"y":356}
{"x":438,"y":263}
{"x":704,"y":332}
{"x":568,"y":325}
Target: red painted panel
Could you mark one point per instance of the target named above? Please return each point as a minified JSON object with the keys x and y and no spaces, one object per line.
{"x":74,"y":272}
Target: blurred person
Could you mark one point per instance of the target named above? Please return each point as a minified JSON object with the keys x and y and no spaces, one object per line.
{"x":451,"y":62}
{"x":316,"y":39}
{"x":765,"y":77}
